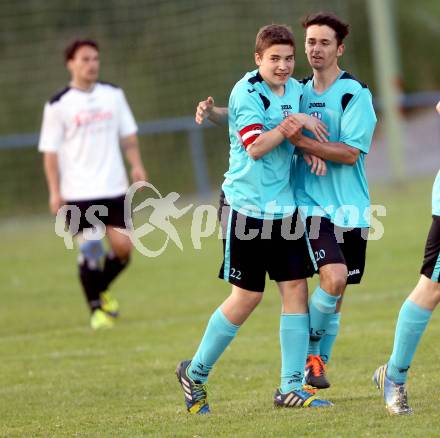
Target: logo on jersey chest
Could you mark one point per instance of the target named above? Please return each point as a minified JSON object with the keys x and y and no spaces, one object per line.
{"x":285,"y":109}
{"x":87,"y":117}
{"x":316,"y":114}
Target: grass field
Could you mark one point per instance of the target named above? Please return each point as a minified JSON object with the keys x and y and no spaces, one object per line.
{"x":60,"y":379}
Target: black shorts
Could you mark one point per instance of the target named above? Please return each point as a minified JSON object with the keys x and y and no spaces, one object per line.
{"x":333,"y":244}
{"x":431,"y":261}
{"x":252,"y":247}
{"x":110,"y":211}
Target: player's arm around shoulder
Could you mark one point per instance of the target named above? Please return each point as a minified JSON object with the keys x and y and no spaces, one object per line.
{"x":206,"y":110}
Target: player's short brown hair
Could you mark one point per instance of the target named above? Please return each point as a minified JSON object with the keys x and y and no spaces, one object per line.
{"x":274,"y":34}
{"x":72,"y":47}
{"x":328,"y":19}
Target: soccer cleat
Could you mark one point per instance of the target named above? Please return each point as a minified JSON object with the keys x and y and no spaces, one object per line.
{"x":109,"y":304}
{"x":194,"y":391}
{"x":394,"y":394}
{"x":101,"y":320}
{"x":298,"y":399}
{"x":315,"y":372}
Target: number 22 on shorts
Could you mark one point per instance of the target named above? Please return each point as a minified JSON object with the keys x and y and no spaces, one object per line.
{"x":235,"y":273}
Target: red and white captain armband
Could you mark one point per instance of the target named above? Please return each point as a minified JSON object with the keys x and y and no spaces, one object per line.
{"x":250,"y":133}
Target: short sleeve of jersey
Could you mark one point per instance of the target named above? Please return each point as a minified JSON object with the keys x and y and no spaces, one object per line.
{"x":246,"y":106}
{"x":52,"y":130}
{"x":358,"y":121}
{"x":127,"y":123}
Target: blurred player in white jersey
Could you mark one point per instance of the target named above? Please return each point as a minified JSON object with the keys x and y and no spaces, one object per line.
{"x":414,"y":316}
{"x":84,"y":127}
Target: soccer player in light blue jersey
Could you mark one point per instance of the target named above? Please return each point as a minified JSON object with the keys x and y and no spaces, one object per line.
{"x":335,"y":206}
{"x":413,"y":319}
{"x":258,"y":203}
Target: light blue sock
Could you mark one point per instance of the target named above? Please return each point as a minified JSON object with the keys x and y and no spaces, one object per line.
{"x":218,"y":335}
{"x":321,"y":308}
{"x":327,"y":341}
{"x":410,"y":326}
{"x":294,"y":340}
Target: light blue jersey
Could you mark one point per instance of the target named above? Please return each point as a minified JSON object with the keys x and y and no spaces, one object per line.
{"x":436,"y":196}
{"x":260,"y":188}
{"x":342,"y":195}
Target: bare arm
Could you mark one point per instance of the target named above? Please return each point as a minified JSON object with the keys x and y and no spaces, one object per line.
{"x":332,"y":151}
{"x":133,"y":156}
{"x":288,"y":128}
{"x":50,"y":162}
{"x":219,"y":115}
{"x":264,"y":143}
{"x":207,"y":110}
{"x":291,"y":126}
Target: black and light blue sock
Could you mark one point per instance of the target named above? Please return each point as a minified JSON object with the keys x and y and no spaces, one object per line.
{"x":328,"y":340}
{"x":410,"y":327}
{"x":294,"y":340}
{"x":322,"y":306}
{"x":218,"y":335}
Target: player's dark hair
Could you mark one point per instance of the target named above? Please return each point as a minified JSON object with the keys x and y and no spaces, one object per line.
{"x":274,"y":34}
{"x":72,"y":47}
{"x":328,"y":19}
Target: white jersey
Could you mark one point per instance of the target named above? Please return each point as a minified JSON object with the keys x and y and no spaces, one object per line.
{"x":84,"y":128}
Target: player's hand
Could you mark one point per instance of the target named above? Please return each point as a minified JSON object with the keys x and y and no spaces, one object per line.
{"x":204,"y":110}
{"x":438,"y":107}
{"x":290,"y":128}
{"x":55,"y":203}
{"x":138,"y":173}
{"x":317,"y":128}
{"x":317,"y":165}
{"x":312,"y":124}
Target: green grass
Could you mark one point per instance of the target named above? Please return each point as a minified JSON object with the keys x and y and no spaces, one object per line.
{"x":60,"y":379}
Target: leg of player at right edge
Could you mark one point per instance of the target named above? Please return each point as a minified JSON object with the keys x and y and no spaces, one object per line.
{"x":413,"y":319}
